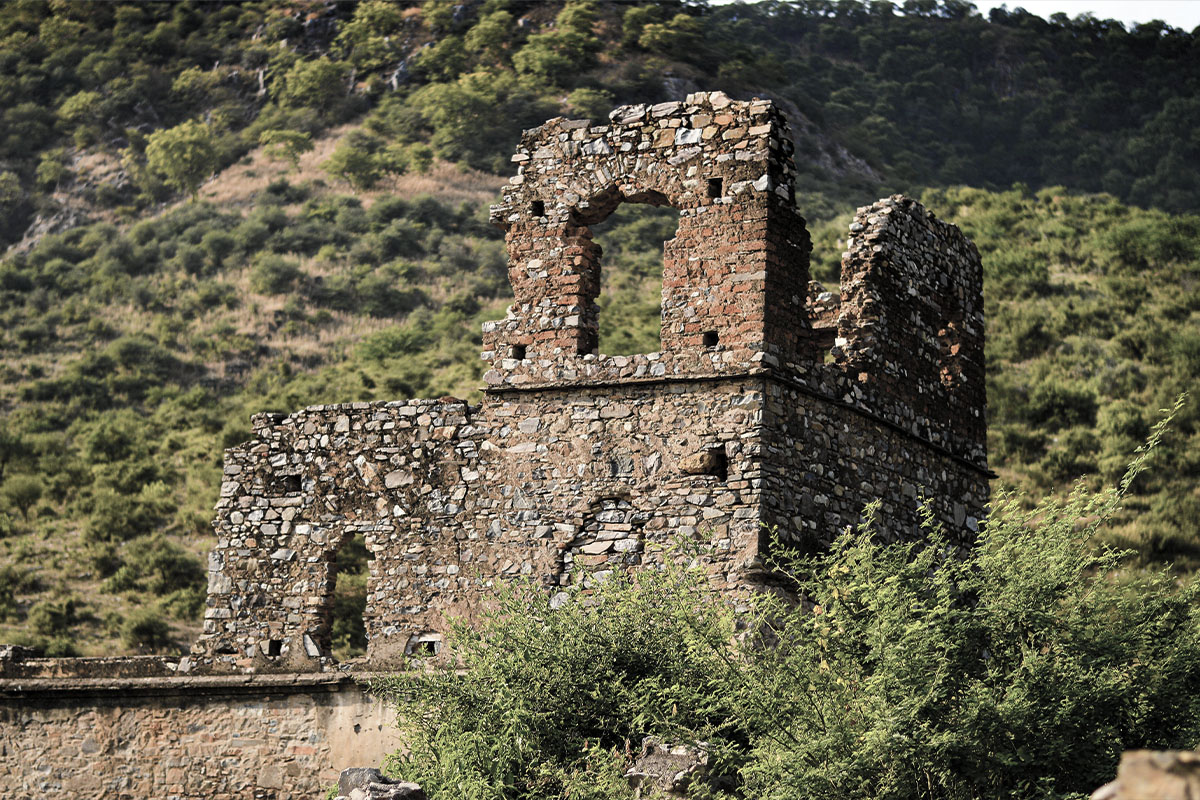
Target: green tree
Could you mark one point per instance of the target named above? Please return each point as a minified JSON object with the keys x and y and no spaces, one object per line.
{"x":285,"y":145}
{"x":369,"y":41}
{"x":82,"y":114}
{"x":319,"y":83}
{"x":184,"y":155}
{"x":22,"y":492}
{"x":552,"y":58}
{"x":362,"y":159}
{"x":489,"y":38}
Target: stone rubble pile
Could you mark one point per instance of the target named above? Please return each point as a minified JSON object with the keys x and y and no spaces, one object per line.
{"x":366,"y":783}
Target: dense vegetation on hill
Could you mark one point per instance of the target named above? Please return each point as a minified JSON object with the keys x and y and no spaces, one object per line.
{"x":342,"y":252}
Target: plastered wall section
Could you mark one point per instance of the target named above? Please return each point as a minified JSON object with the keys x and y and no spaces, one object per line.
{"x":187,"y":739}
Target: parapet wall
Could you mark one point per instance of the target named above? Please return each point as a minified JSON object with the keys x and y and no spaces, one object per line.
{"x":232,"y":737}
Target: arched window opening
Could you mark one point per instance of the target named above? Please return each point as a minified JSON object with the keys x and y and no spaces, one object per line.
{"x":631,"y":276}
{"x":348,"y":574}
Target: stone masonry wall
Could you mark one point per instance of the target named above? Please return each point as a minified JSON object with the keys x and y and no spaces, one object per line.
{"x":451,"y":497}
{"x":771,"y":404}
{"x":217,"y":738}
{"x":734,"y":276}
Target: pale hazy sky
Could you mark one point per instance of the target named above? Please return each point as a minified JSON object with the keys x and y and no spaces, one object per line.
{"x":1179,"y":13}
{"x":1183,"y":14}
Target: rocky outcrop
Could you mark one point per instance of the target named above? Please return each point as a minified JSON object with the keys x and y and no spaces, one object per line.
{"x":1154,"y":775}
{"x":366,"y":783}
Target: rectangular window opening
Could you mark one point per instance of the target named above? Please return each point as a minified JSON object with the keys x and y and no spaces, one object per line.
{"x":517,"y":352}
{"x":710,"y":338}
{"x":716,"y":187}
{"x":721,"y":463}
{"x":538,"y":208}
{"x":275,"y":648}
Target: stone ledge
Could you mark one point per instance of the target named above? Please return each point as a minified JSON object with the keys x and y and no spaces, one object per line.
{"x":200,"y":685}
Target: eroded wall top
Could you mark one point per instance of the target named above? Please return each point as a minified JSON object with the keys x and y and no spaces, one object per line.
{"x":734,"y":276}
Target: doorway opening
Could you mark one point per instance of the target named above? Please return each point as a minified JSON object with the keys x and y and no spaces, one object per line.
{"x":348,"y":574}
{"x":631,"y":276}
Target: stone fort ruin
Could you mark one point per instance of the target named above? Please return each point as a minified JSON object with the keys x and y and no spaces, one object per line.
{"x":771,"y":405}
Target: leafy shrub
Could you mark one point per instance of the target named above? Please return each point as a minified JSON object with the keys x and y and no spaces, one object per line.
{"x":1058,"y":405}
{"x":317,"y":83}
{"x":1021,"y":668}
{"x":145,"y":630}
{"x":218,"y":245}
{"x":273,"y":274}
{"x":117,"y":516}
{"x":55,"y":618}
{"x":13,"y":579}
{"x":156,"y":565}
{"x":22,"y":492}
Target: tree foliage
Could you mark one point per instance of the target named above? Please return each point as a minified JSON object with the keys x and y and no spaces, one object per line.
{"x":286,"y":145}
{"x":184,"y":155}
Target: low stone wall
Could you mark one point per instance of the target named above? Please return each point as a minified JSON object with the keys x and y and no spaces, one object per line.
{"x":266,"y":737}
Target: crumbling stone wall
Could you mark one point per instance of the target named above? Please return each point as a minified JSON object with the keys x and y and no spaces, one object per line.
{"x":771,"y":404}
{"x":451,"y":497}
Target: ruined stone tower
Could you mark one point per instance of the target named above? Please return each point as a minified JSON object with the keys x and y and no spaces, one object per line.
{"x":770,"y":403}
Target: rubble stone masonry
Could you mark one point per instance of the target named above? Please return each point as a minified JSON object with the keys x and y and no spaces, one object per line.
{"x":771,"y":405}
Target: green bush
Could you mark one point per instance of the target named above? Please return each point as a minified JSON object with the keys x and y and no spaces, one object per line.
{"x":145,"y":630}
{"x":56,"y":618}
{"x":13,"y":580}
{"x":21,"y":492}
{"x":115,"y":516}
{"x":1021,"y":668}
{"x":273,"y":274}
{"x":156,"y":565}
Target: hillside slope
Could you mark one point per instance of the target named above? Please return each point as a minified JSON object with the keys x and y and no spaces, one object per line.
{"x":137,"y":340}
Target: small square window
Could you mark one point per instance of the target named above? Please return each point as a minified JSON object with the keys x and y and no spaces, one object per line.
{"x":710,"y":338}
{"x":537,"y":208}
{"x":716,"y":187}
{"x":274,"y":648}
{"x":518,"y":352}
